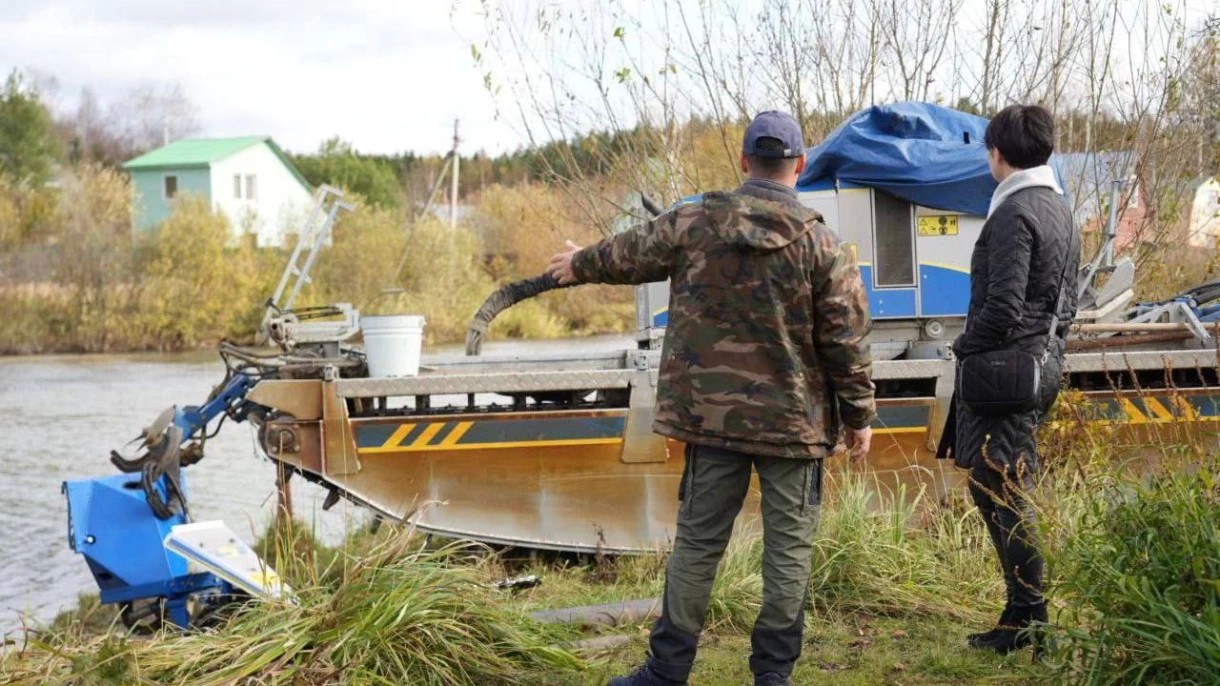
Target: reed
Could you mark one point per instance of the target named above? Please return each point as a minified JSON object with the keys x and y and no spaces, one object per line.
{"x":398,"y":614}
{"x":909,"y":555}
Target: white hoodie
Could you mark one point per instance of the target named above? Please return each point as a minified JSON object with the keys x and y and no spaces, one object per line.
{"x":1033,"y":177}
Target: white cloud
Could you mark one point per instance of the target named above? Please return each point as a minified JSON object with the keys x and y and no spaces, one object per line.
{"x":384,"y":74}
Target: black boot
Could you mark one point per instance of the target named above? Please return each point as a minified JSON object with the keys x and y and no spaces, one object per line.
{"x":644,"y":676}
{"x":981,"y":640}
{"x":772,"y":679}
{"x":1020,"y":630}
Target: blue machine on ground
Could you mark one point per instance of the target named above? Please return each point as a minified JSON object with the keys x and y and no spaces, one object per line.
{"x":118,"y":523}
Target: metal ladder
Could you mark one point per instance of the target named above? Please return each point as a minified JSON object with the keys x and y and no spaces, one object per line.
{"x":314,"y":234}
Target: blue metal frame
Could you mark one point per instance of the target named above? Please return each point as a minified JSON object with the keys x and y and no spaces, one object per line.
{"x":192,"y":418}
{"x":111,"y":525}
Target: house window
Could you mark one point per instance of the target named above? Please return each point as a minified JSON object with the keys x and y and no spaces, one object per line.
{"x":171,"y":186}
{"x":251,"y":187}
{"x":237,"y":186}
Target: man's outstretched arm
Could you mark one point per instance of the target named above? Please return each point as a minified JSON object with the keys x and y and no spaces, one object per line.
{"x":642,"y":254}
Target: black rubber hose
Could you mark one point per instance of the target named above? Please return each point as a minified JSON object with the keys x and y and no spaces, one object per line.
{"x":501,"y":300}
{"x":1203,"y":293}
{"x":517,"y":291}
{"x":650,"y":206}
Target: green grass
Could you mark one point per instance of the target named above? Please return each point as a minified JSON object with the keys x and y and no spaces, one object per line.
{"x":850,"y":650}
{"x":1143,"y":568}
{"x":395,"y":614}
{"x":896,"y":586}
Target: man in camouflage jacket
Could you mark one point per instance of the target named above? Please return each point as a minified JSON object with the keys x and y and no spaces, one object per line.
{"x":764,"y":361}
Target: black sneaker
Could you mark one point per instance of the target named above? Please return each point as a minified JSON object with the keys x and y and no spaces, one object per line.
{"x":644,"y":676}
{"x":771,"y":679}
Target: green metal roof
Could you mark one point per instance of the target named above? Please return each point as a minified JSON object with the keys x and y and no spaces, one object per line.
{"x":202,"y":152}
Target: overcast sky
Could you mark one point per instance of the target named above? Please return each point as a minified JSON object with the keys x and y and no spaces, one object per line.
{"x":387,"y":75}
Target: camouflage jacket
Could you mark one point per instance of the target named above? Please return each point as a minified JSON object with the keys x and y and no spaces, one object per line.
{"x":765,"y":348}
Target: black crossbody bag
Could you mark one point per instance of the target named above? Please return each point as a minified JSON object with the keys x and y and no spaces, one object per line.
{"x":1000,"y":382}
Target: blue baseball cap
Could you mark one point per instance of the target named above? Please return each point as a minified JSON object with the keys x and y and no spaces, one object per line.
{"x":778,"y":125}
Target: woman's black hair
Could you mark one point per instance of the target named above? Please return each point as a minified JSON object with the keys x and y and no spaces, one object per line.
{"x":1024,"y":135}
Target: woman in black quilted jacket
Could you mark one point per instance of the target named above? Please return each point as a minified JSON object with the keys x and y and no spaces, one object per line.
{"x":1017,"y":272}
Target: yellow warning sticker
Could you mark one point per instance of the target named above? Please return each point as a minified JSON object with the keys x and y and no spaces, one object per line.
{"x":938,"y":225}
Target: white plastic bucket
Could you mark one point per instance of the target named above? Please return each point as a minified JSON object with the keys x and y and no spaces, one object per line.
{"x":393,"y":343}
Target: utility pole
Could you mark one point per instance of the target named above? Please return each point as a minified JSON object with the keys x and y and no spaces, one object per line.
{"x":453,"y":192}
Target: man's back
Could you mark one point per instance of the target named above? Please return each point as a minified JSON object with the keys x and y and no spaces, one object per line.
{"x":767,"y":321}
{"x":764,"y":355}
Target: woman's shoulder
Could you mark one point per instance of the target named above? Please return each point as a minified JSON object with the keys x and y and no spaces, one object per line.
{"x":1035,"y":201}
{"x":1032,"y":207}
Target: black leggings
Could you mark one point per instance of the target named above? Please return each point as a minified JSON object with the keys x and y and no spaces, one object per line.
{"x":1003,"y":499}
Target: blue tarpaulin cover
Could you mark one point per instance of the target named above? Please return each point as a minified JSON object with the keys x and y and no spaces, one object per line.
{"x":923,"y":153}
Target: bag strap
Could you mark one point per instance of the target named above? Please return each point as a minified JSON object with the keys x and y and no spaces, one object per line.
{"x":1050,"y":335}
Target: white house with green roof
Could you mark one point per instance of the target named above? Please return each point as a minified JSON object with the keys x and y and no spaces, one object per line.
{"x":249,"y":179}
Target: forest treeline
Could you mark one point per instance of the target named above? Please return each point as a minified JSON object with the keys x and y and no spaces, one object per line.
{"x":633,"y":110}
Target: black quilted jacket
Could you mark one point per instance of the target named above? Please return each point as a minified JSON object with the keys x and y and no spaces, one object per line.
{"x":1014,"y":283}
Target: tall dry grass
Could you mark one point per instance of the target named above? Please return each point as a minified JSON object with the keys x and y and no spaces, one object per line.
{"x":397,"y":614}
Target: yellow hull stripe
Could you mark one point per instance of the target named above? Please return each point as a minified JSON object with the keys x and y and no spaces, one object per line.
{"x":1133,"y":413}
{"x":456,"y":435}
{"x":1184,"y":408}
{"x":428,"y":434}
{"x":396,"y":437}
{"x":1158,"y":409}
{"x":1157,"y":412}
{"x":451,"y":441}
{"x":446,"y":446}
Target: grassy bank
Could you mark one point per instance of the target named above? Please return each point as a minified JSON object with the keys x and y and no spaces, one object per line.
{"x":1136,"y":577}
{"x":1132,"y":540}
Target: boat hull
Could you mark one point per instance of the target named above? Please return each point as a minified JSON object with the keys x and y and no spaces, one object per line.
{"x":558,"y":480}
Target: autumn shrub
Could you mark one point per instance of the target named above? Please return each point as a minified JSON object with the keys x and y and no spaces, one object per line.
{"x":33,"y":317}
{"x":193,"y":285}
{"x":361,"y":262}
{"x":94,"y":257}
{"x":27,"y":214}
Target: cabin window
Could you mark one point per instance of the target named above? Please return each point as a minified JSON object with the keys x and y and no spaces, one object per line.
{"x":251,"y":187}
{"x":171,"y":186}
{"x":237,"y":186}
{"x":893,"y":242}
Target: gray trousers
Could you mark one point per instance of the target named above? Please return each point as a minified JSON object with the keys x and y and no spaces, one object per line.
{"x":714,"y":485}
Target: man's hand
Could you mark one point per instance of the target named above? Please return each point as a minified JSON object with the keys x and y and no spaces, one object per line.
{"x":858,"y":443}
{"x":561,"y":264}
